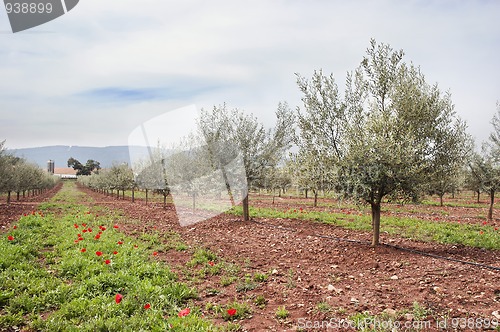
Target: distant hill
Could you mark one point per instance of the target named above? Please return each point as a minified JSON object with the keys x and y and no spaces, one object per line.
{"x":107,"y":156}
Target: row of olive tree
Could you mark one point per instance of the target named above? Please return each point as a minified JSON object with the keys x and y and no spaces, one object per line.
{"x":230,"y":132}
{"x":115,"y":179}
{"x":392,"y":135}
{"x":224,"y":136}
{"x":20,"y":177}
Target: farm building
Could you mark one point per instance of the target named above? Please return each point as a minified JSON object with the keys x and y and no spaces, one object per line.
{"x":65,"y":172}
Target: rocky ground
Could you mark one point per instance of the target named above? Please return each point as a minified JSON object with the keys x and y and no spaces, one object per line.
{"x":318,"y":277}
{"x":321,"y":279}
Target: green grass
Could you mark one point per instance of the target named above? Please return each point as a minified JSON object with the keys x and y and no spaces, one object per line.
{"x":246,"y":284}
{"x":48,"y":284}
{"x":260,"y":301}
{"x":480,"y":236}
{"x":455,"y":204}
{"x":282,"y":313}
{"x":230,"y":311}
{"x":324,"y":307}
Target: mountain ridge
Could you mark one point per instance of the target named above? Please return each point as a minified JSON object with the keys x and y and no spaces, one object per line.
{"x":106,"y":156}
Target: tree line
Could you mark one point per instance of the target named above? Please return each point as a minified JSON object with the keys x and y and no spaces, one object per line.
{"x":390,"y":136}
{"x":20,"y":177}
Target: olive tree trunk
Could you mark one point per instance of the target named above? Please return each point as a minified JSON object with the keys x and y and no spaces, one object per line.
{"x":376,"y":223}
{"x":492,"y":201}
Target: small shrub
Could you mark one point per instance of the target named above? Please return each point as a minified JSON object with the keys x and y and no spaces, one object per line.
{"x":226,"y":281}
{"x":419,"y":311}
{"x":241,"y":311}
{"x":282,"y":313}
{"x":202,"y":257}
{"x":232,"y":327}
{"x":323,"y":307}
{"x":260,"y":277}
{"x":247,"y":284}
{"x":260,"y":301}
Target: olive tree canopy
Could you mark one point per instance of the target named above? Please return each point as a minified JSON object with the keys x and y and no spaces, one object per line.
{"x":389,"y":134}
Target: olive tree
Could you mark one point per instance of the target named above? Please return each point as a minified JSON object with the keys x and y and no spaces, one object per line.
{"x":10,"y":176}
{"x":189,"y":171}
{"x":215,"y":127}
{"x":312,"y":172}
{"x":231,"y":132}
{"x":447,"y":165}
{"x":385,"y":136}
{"x":121,"y":177}
{"x":4,"y":169}
{"x":17,"y":175}
{"x":277,"y":178}
{"x":486,"y":174}
{"x":485,"y":167}
{"x":151,"y":174}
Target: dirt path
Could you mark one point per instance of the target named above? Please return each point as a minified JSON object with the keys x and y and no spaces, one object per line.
{"x":319,"y":279}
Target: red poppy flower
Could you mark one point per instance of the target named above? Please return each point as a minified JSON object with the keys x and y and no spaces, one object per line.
{"x":88,"y":212}
{"x":80,"y":238}
{"x":97,"y":237}
{"x":118,"y":298}
{"x":83,"y":250}
{"x":103,"y":228}
{"x":115,"y":226}
{"x":25,"y":214}
{"x":10,"y":238}
{"x":79,"y":235}
{"x":120,"y":242}
{"x":155,"y":253}
{"x":15,"y":227}
{"x":485,"y":223}
{"x":481,"y":232}
{"x":211,"y":263}
{"x":301,"y":209}
{"x":98,"y":253}
{"x":96,"y":215}
{"x":136,"y":246}
{"x":496,"y":228}
{"x":231,"y":312}
{"x":99,"y":233}
{"x":184,"y":312}
{"x":76,"y":241}
{"x":115,"y":252}
{"x":89,"y":229}
{"x":107,"y":262}
{"x":76,"y":225}
{"x":85,"y":231}
{"x":84,"y":225}
{"x":147,"y":306}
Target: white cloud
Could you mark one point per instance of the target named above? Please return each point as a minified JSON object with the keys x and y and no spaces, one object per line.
{"x":56,"y":77}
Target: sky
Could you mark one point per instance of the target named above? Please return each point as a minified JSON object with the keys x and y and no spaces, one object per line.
{"x":92,"y":76}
